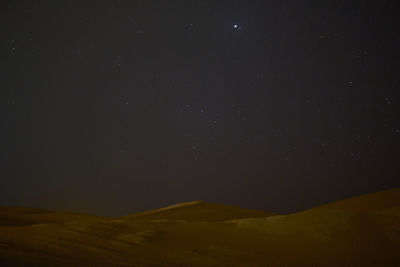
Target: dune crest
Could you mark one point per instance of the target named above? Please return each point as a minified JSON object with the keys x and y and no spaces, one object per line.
{"x":199,"y":211}
{"x":360,"y":231}
{"x":175,"y":206}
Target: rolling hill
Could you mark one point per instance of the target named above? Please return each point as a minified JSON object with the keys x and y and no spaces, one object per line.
{"x":360,"y":231}
{"x":199,"y":211}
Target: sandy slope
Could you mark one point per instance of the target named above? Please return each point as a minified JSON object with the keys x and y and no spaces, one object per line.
{"x":199,"y":211}
{"x":362,"y":231}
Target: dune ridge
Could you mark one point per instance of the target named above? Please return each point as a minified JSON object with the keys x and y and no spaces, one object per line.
{"x":359,"y":231}
{"x":199,"y":211}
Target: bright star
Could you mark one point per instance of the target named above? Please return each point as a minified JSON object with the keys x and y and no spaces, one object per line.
{"x":237,"y":27}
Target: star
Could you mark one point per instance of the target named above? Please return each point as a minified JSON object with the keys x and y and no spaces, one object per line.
{"x":350,"y":83}
{"x":237,"y":27}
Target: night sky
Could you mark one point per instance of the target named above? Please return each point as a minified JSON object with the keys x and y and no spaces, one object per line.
{"x":115,"y":107}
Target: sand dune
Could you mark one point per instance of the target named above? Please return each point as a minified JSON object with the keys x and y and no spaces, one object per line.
{"x":370,"y":202}
{"x":361,"y":231}
{"x":199,"y":211}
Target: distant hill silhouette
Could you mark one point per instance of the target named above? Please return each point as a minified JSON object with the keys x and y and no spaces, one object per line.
{"x":199,"y":211}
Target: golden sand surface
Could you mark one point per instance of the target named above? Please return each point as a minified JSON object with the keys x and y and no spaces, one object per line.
{"x":360,"y":231}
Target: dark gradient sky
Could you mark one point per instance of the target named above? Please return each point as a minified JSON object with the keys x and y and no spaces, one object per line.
{"x":122,"y":106}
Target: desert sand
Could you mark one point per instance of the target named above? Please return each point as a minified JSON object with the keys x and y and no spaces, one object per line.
{"x":360,"y":231}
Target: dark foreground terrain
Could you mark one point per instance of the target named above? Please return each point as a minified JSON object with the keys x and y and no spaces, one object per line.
{"x":361,"y":231}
